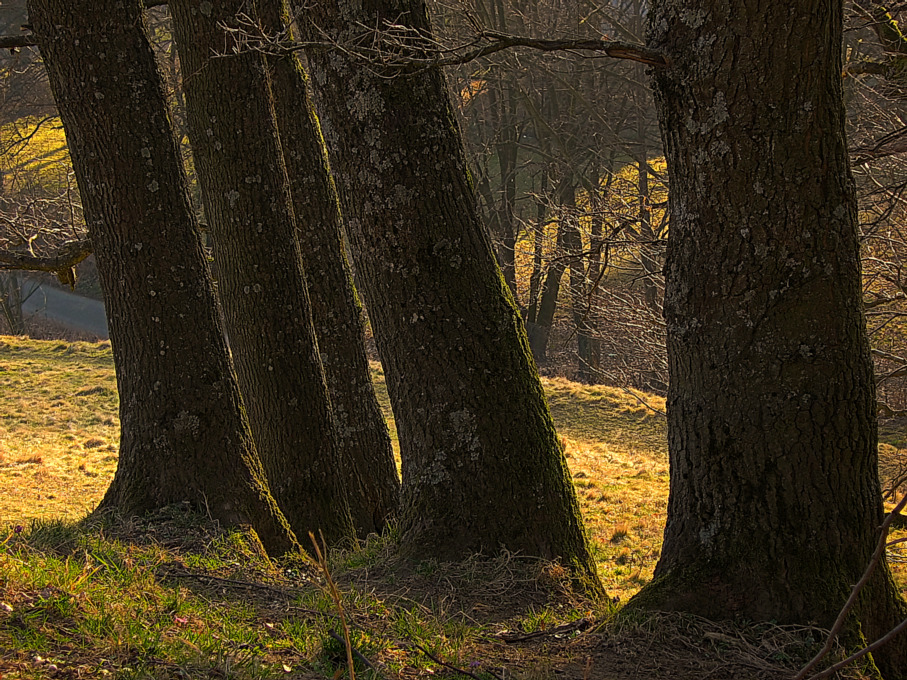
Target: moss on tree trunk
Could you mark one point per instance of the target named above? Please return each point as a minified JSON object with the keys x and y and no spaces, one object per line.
{"x":184,"y":434}
{"x":774,"y":500}
{"x":482,"y":466}
{"x":260,"y":276}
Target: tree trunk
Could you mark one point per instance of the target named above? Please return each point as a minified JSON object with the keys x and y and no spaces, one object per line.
{"x":482,"y":466}
{"x":184,"y":436}
{"x":260,"y":277}
{"x":541,"y":211}
{"x":540,"y":331}
{"x":11,"y":302}
{"x":507,"y":151}
{"x":774,"y":501}
{"x":587,"y":344}
{"x":365,"y":444}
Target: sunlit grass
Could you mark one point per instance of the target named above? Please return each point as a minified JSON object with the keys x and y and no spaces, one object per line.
{"x":34,"y":153}
{"x":59,"y":435}
{"x":59,"y":428}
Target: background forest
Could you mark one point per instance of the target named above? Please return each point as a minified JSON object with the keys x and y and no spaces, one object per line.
{"x":567,"y":160}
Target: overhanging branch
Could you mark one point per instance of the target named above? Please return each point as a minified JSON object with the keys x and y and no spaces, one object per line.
{"x":612,"y":48}
{"x":12,"y":42}
{"x":67,"y":257}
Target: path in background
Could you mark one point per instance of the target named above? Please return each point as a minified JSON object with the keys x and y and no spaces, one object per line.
{"x":68,"y":309}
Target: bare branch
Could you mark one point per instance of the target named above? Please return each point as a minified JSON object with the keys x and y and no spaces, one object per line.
{"x":11,"y":42}
{"x":612,"y":48}
{"x":64,"y":260}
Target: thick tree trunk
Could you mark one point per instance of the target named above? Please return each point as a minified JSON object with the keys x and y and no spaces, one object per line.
{"x":260,"y":278}
{"x":774,"y":502}
{"x":482,"y":467}
{"x":365,"y":444}
{"x":184,"y":435}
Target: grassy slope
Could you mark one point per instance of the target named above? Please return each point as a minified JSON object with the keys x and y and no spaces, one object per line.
{"x":99,"y":595}
{"x":59,"y":434}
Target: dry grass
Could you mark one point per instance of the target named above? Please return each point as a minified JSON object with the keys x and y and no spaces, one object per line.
{"x":59,"y":434}
{"x":174,"y":597}
{"x":59,"y":428}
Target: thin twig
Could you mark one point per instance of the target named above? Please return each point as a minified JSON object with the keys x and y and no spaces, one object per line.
{"x":338,"y":601}
{"x":863,"y":652}
{"x":229,"y":581}
{"x":451,"y":666}
{"x":572,"y":627}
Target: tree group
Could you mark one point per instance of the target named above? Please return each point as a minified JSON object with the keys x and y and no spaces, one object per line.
{"x":775,"y":503}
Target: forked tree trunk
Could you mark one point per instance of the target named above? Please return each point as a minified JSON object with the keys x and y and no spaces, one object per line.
{"x":482,"y":467}
{"x":365,"y":444}
{"x":260,"y":277}
{"x":774,"y":503}
{"x":184,"y":436}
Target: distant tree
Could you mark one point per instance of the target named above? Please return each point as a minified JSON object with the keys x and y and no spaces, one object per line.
{"x":482,"y":466}
{"x":258,"y":263}
{"x":364,"y":442}
{"x":184,"y":434}
{"x":774,"y":503}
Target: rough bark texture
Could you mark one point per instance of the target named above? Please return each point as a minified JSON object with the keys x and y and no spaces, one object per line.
{"x":774,"y":500}
{"x":184,"y":435}
{"x":260,"y":278}
{"x":365,"y":444}
{"x":482,"y":467}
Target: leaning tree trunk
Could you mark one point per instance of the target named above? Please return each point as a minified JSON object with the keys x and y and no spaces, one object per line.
{"x":774,"y":503}
{"x":365,"y":445}
{"x":482,"y":466}
{"x":184,"y":436}
{"x":260,"y":277}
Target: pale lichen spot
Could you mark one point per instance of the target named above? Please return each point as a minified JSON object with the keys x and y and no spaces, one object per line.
{"x":708,"y":533}
{"x":692,"y":18}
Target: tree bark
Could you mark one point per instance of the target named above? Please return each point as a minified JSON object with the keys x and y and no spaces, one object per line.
{"x":365,"y":445}
{"x":260,"y":277}
{"x":184,"y":435}
{"x":482,"y":468}
{"x":774,"y":502}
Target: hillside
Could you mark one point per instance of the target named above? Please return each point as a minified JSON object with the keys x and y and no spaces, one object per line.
{"x":58,"y":451}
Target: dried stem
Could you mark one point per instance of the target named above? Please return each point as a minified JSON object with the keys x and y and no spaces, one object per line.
{"x":334,"y":592}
